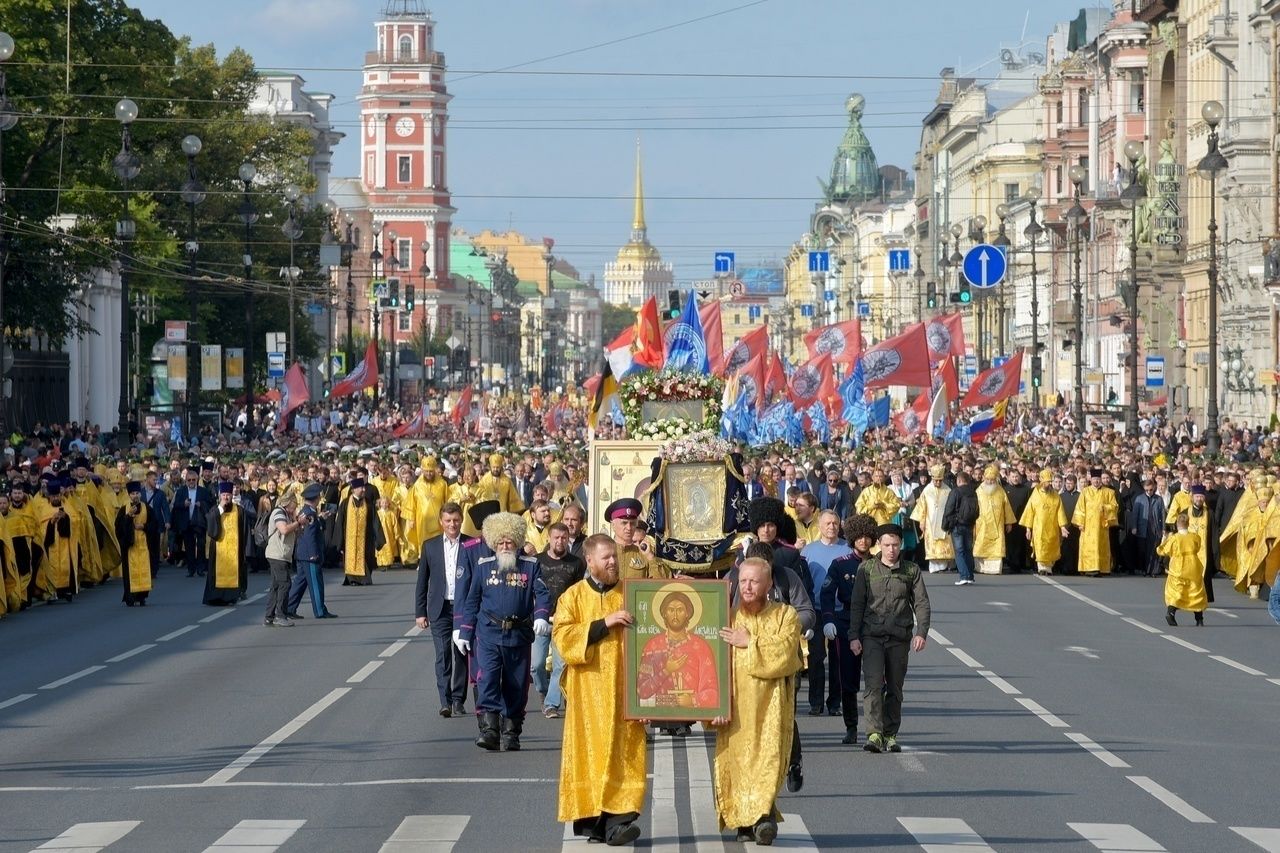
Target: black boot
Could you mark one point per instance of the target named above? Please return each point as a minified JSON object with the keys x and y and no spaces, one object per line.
{"x":511,"y":734}
{"x":1168,"y":616}
{"x":488,"y":731}
{"x":850,"y":737}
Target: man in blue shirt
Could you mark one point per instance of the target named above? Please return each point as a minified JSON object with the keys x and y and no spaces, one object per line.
{"x":308,"y":556}
{"x":820,"y":555}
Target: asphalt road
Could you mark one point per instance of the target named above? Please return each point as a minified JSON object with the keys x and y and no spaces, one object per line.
{"x":1057,"y":715}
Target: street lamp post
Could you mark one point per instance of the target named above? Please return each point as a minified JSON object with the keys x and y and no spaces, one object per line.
{"x":348,"y":253}
{"x":292,"y":230}
{"x":1130,"y":198}
{"x":1005,"y":245}
{"x":1032,"y":232}
{"x":1076,"y":217}
{"x":327,"y":239}
{"x":375,"y":307}
{"x":8,"y":120}
{"x":393,"y":266}
{"x":193,"y":194}
{"x":248,"y":216}
{"x":1210,"y":165}
{"x":127,"y":166}
{"x":977,"y":236}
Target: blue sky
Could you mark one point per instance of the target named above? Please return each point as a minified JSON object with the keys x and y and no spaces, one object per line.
{"x":734,"y":137}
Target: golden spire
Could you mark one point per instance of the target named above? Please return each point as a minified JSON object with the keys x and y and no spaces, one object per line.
{"x":637,"y":220}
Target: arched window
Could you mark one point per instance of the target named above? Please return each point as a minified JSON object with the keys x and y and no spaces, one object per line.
{"x":406,"y":47}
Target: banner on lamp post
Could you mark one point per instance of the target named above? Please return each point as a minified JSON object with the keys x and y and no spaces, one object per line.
{"x":211,"y":367}
{"x":177,"y":367}
{"x":235,"y":367}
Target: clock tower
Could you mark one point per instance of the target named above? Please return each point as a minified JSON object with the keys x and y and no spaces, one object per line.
{"x":404,"y":112}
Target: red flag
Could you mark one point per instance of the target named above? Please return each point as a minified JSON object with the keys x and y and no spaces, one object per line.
{"x":902,"y":360}
{"x":364,"y":375}
{"x":294,"y":392}
{"x":996,"y":384}
{"x":712,"y":333}
{"x":648,"y":350}
{"x":462,"y":408}
{"x":945,"y":334}
{"x":775,"y":378}
{"x":413,"y":427}
{"x":812,"y":382}
{"x":946,"y":375}
{"x":911,"y":421}
{"x":555,"y":414}
{"x":842,"y":340}
{"x":589,"y":387}
{"x":746,"y":348}
{"x":751,"y":378}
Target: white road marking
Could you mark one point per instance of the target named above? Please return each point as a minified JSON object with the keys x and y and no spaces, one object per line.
{"x":414,"y":631}
{"x":256,"y":836}
{"x":793,"y":834}
{"x":393,"y":648}
{"x":21,"y":697}
{"x":1039,"y":710}
{"x":251,"y":599}
{"x":89,"y":670}
{"x":1143,"y":625}
{"x":1003,"y":686}
{"x":172,"y":635}
{"x":938,"y":638}
{"x":134,"y":651}
{"x":1083,"y":652}
{"x":965,"y":658}
{"x":1186,"y":645}
{"x":1108,"y":758}
{"x":89,"y":837}
{"x":179,"y":786}
{"x":702,"y":797}
{"x":273,"y":740}
{"x":1226,"y":613}
{"x":911,"y":762}
{"x":217,"y":615}
{"x":664,"y":798}
{"x":1170,"y":799}
{"x":999,"y":604}
{"x":426,"y":834}
{"x":944,"y":835}
{"x":365,"y":671}
{"x":1248,"y":670}
{"x":1267,"y":838}
{"x":1116,"y":838}
{"x":1080,"y":596}
{"x":1275,"y":681}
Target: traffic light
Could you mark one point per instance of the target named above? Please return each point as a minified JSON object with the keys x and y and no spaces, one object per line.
{"x":408,"y":297}
{"x":966,"y":296}
{"x":954,"y":298}
{"x":673,"y":304}
{"x":1036,"y":367}
{"x":931,"y":295}
{"x":393,"y":292}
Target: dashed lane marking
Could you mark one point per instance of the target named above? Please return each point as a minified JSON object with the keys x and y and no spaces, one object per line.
{"x":1170,"y":799}
{"x":1106,"y":757}
{"x":89,"y":837}
{"x":173,"y":635}
{"x":134,"y":651}
{"x":273,"y":740}
{"x":365,"y":671}
{"x":75,"y":676}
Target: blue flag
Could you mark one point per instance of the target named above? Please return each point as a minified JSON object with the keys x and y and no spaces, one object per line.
{"x":856,"y":413}
{"x":880,"y":412}
{"x":686,"y":343}
{"x":818,"y":421}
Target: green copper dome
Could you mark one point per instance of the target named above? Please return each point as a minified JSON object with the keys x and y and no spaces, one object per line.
{"x":855,"y":176}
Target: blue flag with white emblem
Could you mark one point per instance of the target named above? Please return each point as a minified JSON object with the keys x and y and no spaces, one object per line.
{"x":686,"y":343}
{"x":856,"y":412}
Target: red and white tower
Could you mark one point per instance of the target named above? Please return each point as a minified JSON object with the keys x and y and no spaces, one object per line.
{"x":404,"y":111}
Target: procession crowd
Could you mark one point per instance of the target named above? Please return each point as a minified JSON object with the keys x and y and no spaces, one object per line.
{"x":515,"y":591}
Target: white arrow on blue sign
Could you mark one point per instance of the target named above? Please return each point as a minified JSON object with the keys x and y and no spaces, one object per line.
{"x":819,"y":262}
{"x":724,"y":261}
{"x":984,"y":265}
{"x":899,"y":260}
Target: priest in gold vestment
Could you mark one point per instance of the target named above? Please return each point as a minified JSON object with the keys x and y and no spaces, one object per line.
{"x":753,"y":747}
{"x":1095,"y":514}
{"x":133,"y":522}
{"x":360,"y":535}
{"x":227,"y":537}
{"x":938,"y":550}
{"x":1046,"y":523}
{"x":602,"y":762}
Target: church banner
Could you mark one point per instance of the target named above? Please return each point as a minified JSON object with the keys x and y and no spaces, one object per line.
{"x":211,"y":367}
{"x":676,"y":667}
{"x":177,"y":367}
{"x":235,"y":367}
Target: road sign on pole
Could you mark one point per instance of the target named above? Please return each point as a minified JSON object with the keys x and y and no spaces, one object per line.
{"x":724,"y":261}
{"x":819,"y":262}
{"x":1155,"y":371}
{"x":864,"y":310}
{"x":275,"y":365}
{"x":984,"y":265}
{"x":899,"y":260}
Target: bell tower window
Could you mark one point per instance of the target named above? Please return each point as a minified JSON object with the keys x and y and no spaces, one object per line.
{"x":406,"y":48}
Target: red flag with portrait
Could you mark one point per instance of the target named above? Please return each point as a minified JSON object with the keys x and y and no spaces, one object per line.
{"x":775,"y":378}
{"x":462,"y":408}
{"x":945,"y":336}
{"x":913,"y":420}
{"x":294,"y":391}
{"x":747,"y":347}
{"x":842,"y":340}
{"x":996,"y":384}
{"x":901,"y":360}
{"x":812,"y":382}
{"x":945,"y":375}
{"x":751,"y":378}
{"x":712,"y":333}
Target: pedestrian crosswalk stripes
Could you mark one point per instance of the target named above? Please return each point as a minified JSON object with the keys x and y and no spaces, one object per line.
{"x":447,"y":833}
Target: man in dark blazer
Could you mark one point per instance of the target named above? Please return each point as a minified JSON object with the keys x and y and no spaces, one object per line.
{"x":192,"y":504}
{"x":439,"y":585}
{"x":158,"y":508}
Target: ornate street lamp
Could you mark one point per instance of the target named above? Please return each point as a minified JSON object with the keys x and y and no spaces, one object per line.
{"x":375,"y":306}
{"x":1076,"y":217}
{"x":348,"y":253}
{"x":193,"y":194}
{"x":127,"y":166}
{"x":1210,"y":165}
{"x":1032,"y":232}
{"x":8,"y":120}
{"x":1131,"y":197}
{"x":247,"y":172}
{"x":292,"y":230}
{"x":1005,"y":245}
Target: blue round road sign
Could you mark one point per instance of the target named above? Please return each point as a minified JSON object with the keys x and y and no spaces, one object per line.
{"x":984,"y":265}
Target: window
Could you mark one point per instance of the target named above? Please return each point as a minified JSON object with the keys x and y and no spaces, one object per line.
{"x":1082,"y":107}
{"x":405,"y":321}
{"x":1137,"y":97}
{"x":404,"y":168}
{"x":1057,"y":179}
{"x":404,"y":251}
{"x":1059,"y":108}
{"x":437,"y":171}
{"x":1011,"y":193}
{"x":406,"y":47}
{"x":1084,"y":164}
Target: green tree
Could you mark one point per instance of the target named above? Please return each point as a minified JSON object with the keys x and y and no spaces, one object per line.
{"x":615,"y":319}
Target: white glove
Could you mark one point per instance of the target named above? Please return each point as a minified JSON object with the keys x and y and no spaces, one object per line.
{"x":807,"y":635}
{"x":829,"y":630}
{"x":463,"y":646}
{"x":542,"y":627}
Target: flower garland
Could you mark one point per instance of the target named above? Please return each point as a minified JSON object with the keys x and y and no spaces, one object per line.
{"x":670,"y":385}
{"x":700,"y":446}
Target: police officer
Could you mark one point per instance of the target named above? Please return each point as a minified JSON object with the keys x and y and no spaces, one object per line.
{"x":888,"y":615}
{"x":633,"y":561}
{"x":835,"y":599}
{"x":507,"y":603}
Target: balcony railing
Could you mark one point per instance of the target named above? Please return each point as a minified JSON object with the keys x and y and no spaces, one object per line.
{"x":394,"y":57}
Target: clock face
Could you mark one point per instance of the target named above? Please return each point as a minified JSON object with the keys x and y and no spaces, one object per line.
{"x":405,"y":126}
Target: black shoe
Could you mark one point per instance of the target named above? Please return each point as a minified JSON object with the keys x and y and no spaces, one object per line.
{"x":511,"y":735}
{"x":293,"y":614}
{"x":327,"y":615}
{"x":459,"y":710}
{"x":765,"y":832}
{"x":850,"y":737}
{"x":795,"y":781}
{"x":745,"y":834}
{"x":446,"y":711}
{"x":488,"y":731}
{"x":621,"y":835}
{"x":815,"y":711}
{"x":834,"y":712}
{"x":1168,"y":617}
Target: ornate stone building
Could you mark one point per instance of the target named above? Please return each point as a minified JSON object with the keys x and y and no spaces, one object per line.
{"x":639,"y":271}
